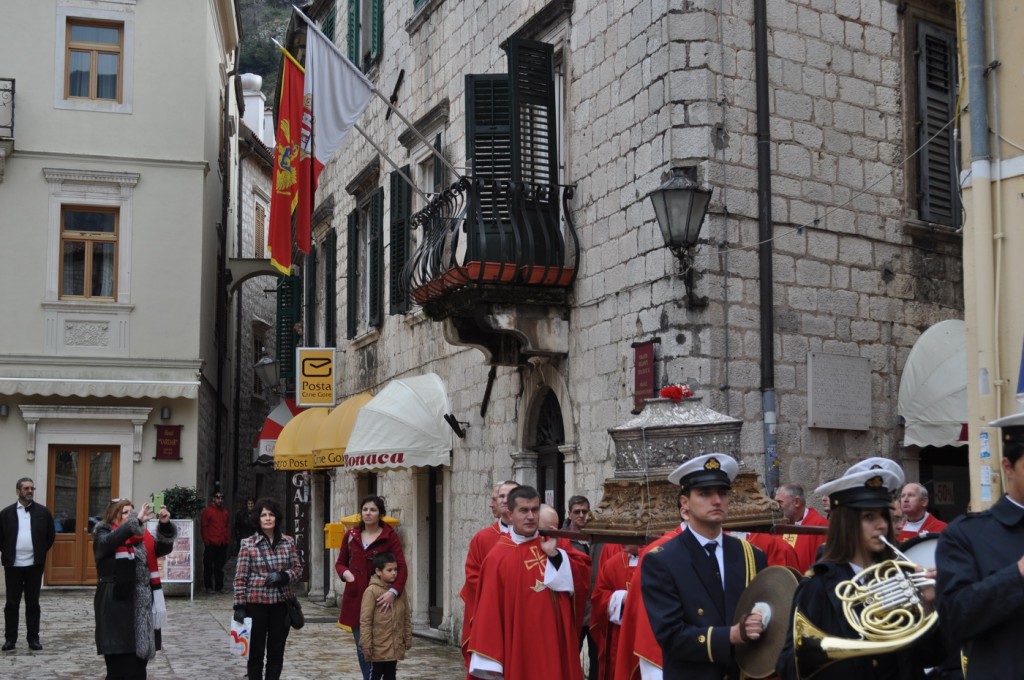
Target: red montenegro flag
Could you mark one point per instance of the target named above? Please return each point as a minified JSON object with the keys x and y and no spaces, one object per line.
{"x":285,"y":195}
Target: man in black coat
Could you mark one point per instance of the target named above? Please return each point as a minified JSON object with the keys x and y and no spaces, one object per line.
{"x":980,"y":563}
{"x":26,"y":535}
{"x":691,"y":589}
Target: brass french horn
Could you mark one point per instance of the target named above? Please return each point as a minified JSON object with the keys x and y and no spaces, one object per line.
{"x":882,"y":604}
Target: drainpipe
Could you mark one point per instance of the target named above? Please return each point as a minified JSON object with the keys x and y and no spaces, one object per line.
{"x":983,"y":450}
{"x":764,"y":254}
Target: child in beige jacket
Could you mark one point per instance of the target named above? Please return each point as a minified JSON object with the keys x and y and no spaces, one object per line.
{"x":385,"y":635}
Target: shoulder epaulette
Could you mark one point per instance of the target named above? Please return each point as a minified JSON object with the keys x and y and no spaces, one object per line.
{"x":656,"y":549}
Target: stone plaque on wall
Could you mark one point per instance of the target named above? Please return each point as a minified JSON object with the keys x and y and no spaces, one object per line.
{"x":838,"y":391}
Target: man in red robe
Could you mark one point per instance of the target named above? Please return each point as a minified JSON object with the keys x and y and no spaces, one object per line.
{"x":479,"y":546}
{"x":790,"y":498}
{"x":525,"y":622}
{"x":917,"y":519}
{"x":615,"y":573}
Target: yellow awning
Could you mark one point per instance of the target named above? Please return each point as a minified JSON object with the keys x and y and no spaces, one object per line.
{"x":332,"y":437}
{"x":294,"y":448}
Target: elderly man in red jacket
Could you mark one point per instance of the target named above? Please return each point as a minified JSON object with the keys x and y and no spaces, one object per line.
{"x":215,"y":527}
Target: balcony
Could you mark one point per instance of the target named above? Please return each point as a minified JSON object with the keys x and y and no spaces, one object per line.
{"x":6,"y":122}
{"x":495,"y":263}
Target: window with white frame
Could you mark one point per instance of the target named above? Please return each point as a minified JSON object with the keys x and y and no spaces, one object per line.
{"x":88,"y":252}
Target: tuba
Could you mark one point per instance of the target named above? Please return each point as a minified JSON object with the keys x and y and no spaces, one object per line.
{"x":883,"y":604}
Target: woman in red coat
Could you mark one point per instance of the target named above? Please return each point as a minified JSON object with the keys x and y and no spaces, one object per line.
{"x":355,"y":567}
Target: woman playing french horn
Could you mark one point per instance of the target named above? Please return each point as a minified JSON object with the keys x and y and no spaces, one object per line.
{"x":835,"y":617}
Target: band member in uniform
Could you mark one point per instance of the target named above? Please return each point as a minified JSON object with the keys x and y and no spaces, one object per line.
{"x":980,"y":559}
{"x":691,"y":584}
{"x":860,"y":516}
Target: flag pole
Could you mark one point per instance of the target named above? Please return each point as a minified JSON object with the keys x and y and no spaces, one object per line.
{"x":401,"y":116}
{"x":391,"y":162}
{"x":417,"y":133}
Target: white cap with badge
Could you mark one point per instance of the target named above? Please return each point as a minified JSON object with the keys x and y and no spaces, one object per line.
{"x":709,"y":470}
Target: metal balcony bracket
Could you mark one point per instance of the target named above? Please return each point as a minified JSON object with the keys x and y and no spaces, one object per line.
{"x":6,"y":149}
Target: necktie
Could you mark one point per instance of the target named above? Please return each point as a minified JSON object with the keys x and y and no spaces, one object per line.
{"x":710,"y":548}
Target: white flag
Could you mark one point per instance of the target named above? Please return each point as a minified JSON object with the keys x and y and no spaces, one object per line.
{"x":338,"y":90}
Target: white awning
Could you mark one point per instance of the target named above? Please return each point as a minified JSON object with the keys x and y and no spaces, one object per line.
{"x":933,"y":388}
{"x":92,"y":387}
{"x":403,"y":426}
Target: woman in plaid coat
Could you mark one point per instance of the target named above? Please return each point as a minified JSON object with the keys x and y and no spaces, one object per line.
{"x":267,"y":562}
{"x":355,"y":567}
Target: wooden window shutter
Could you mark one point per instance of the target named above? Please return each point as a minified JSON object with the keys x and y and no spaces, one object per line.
{"x":330,"y":257}
{"x":328,"y":25}
{"x":311,"y":264}
{"x":375,"y":257}
{"x":353,"y":32}
{"x":260,"y":236}
{"x":377,"y":43}
{"x":938,"y":174}
{"x":352,"y":278}
{"x":289,"y":313}
{"x":401,"y":210}
{"x":531,"y":75}
{"x":489,"y":150}
{"x":440,"y":171}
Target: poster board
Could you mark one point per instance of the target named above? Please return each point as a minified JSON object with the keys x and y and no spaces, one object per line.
{"x":179,"y":565}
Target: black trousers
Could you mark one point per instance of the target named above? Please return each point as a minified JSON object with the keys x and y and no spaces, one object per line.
{"x":587,"y":639}
{"x":384,"y":670}
{"x":214,"y":557}
{"x":20,"y":581}
{"x":125,"y":667}
{"x":270,"y":627}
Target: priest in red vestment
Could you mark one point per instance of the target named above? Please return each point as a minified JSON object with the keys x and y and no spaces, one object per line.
{"x":790,"y":498}
{"x":917,"y":519}
{"x":615,"y":573}
{"x":479,"y":546}
{"x":524,"y":626}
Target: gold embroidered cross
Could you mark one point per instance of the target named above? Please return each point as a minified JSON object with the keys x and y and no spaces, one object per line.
{"x":540,"y":560}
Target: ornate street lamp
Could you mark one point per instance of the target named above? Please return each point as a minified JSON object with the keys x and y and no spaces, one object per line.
{"x":680,"y":205}
{"x":267,"y":370}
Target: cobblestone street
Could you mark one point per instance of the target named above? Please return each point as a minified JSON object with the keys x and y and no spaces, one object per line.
{"x":195,"y":645}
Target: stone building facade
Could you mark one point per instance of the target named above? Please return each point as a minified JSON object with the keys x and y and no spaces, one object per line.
{"x":863,"y":261}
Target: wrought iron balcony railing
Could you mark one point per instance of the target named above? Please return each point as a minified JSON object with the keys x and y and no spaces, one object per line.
{"x":6,"y":108}
{"x":484,"y":232}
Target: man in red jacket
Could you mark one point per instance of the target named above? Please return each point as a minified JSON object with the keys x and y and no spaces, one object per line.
{"x":790,"y":498}
{"x":915,"y":510}
{"x":215,"y":527}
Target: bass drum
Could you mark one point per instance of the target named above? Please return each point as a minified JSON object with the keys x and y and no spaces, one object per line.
{"x":921,"y":549}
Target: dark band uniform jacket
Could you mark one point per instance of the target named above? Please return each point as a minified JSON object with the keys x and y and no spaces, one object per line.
{"x":694,"y":637}
{"x":981,"y":590}
{"x":816,"y":598}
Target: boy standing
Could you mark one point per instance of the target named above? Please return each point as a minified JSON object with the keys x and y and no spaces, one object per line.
{"x":385,"y":633}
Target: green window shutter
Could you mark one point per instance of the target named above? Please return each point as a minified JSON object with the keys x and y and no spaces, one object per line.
{"x":328,"y":25}
{"x":532,"y":93}
{"x":289,"y":313}
{"x":330,"y":257}
{"x":440,"y":176}
{"x":375,"y":257}
{"x":352,"y":283}
{"x":938,"y":174}
{"x":377,"y":43}
{"x":489,"y":149}
{"x":309,"y":276}
{"x":353,"y":32}
{"x":400,"y":211}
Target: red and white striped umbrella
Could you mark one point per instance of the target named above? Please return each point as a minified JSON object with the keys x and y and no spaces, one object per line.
{"x":278,"y":418}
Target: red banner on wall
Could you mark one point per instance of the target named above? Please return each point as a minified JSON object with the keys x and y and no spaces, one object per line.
{"x":168,"y":442}
{"x":644,"y":378}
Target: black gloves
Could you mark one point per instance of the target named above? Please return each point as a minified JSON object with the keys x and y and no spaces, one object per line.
{"x":277,"y":578}
{"x":239,"y":613}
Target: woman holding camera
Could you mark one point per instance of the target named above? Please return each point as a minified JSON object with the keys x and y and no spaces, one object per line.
{"x":129,"y":602}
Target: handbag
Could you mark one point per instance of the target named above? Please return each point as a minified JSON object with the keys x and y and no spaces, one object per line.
{"x":238,"y":637}
{"x":296,"y":619}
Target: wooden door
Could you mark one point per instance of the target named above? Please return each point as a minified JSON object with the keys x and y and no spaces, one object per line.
{"x":82,"y":482}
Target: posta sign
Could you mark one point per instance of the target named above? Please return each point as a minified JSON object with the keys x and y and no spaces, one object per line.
{"x":314,"y":383}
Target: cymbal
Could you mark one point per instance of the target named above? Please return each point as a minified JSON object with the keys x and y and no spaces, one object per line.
{"x":774,"y":586}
